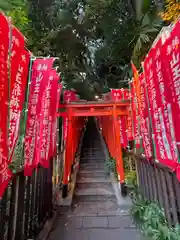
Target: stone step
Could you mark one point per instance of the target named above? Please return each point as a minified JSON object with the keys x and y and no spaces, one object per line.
{"x":91,"y":157}
{"x":91,"y":166}
{"x":99,"y":149}
{"x":98,"y":185}
{"x":98,"y":153}
{"x":99,"y":208}
{"x":92,"y":161}
{"x":96,"y":145}
{"x":92,"y":180}
{"x":89,"y":150}
{"x":88,"y":173}
{"x":103,"y":191}
{"x":93,"y":198}
{"x":92,"y":169}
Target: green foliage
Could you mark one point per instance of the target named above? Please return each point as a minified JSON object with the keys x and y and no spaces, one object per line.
{"x":20,"y":19}
{"x":150,"y":218}
{"x":110,"y":166}
{"x":59,"y":31}
{"x":148,"y":25}
{"x":94,"y":40}
{"x":10,"y":4}
{"x":17,"y":11}
{"x":131,"y":179}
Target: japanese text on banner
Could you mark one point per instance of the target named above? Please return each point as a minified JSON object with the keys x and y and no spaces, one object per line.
{"x":123,"y":131}
{"x":144,"y":118}
{"x":56,"y":100}
{"x":49,"y":104}
{"x":164,"y":104}
{"x":39,"y":81}
{"x":69,"y":96}
{"x":163,"y":151}
{"x":5,"y":173}
{"x":17,"y":99}
{"x":171,"y":61}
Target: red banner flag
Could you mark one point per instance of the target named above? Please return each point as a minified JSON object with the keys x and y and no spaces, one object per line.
{"x":135,"y":120}
{"x":54,"y":125}
{"x":136,"y":105}
{"x":165,"y":105}
{"x":144,"y":119}
{"x":123,"y":132}
{"x":171,"y":61}
{"x":39,"y":81}
{"x":129,"y":126}
{"x":17,"y":47}
{"x":17,"y":99}
{"x":126,"y":94}
{"x":162,"y":144}
{"x":116,"y":94}
{"x":136,"y":84}
{"x":49,"y":104}
{"x":5,"y":173}
{"x":130,"y":117}
{"x":69,"y":96}
{"x":45,"y":124}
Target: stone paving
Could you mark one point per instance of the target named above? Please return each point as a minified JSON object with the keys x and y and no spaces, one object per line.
{"x":95,"y":220}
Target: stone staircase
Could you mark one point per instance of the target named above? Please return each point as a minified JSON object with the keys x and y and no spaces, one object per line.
{"x":94,"y":214}
{"x":92,"y":183}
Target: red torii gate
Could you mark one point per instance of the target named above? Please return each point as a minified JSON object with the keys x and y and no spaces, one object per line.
{"x":108,"y":113}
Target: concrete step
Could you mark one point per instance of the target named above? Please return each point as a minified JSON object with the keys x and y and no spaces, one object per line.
{"x":98,"y":185}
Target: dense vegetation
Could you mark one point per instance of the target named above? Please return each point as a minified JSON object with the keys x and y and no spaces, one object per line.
{"x":172,"y":10}
{"x":94,"y":40}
